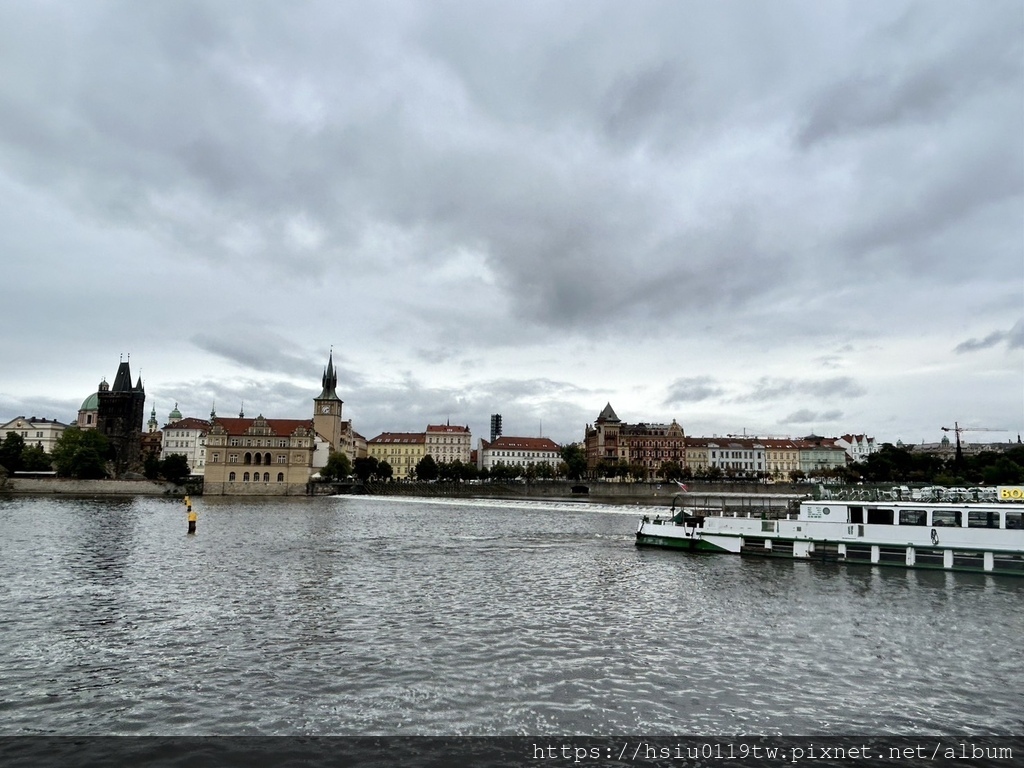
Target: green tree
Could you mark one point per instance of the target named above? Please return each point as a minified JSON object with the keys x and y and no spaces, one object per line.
{"x":384,"y":471}
{"x":575,"y":460}
{"x":338,"y":466}
{"x":35,"y":459}
{"x":671,"y":471}
{"x":366,"y":467}
{"x":11,"y":449}
{"x":426,"y":469}
{"x":175,"y":468}
{"x":151,"y":466}
{"x":81,"y":453}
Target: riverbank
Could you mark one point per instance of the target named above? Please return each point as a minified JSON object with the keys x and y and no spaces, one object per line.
{"x":55,"y":486}
{"x":701,"y":495}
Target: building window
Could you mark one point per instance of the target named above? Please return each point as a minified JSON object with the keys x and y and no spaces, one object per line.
{"x":266,"y":477}
{"x":245,"y":477}
{"x":280,"y":477}
{"x":231,"y":477}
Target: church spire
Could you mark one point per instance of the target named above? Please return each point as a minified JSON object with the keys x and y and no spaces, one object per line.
{"x":329,"y":381}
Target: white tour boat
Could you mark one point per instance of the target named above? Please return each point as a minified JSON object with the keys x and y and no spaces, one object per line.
{"x":979,"y":530}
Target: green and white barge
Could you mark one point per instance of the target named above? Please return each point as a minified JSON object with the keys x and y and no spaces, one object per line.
{"x":979,"y":530}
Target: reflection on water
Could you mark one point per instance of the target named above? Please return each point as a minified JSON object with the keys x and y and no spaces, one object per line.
{"x":355,"y":616}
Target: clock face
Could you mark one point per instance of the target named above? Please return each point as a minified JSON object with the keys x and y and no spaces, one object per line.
{"x":325,"y":409}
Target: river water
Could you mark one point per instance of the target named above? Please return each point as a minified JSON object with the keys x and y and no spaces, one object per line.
{"x":356,"y":615}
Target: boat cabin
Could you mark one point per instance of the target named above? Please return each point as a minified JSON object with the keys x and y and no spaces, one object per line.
{"x":914,"y":514}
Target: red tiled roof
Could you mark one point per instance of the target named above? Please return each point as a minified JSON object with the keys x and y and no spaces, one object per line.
{"x":446,"y":428}
{"x":400,"y":437}
{"x":278,"y":427}
{"x":189,"y":423}
{"x":524,"y":443}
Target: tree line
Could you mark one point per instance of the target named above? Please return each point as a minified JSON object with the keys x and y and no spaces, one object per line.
{"x":82,"y":454}
{"x":86,"y":454}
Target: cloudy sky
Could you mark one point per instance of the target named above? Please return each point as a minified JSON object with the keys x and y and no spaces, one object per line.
{"x":771,"y":218}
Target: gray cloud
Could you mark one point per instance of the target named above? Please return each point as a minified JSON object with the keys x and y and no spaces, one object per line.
{"x":693,"y":390}
{"x":806,"y":416}
{"x":446,"y":186}
{"x":768,"y":389}
{"x":1014,"y":339}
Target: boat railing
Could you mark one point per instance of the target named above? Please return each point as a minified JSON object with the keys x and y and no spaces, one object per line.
{"x":906,"y":493}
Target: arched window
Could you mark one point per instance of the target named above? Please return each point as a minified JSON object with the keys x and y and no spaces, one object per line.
{"x":231,"y":477}
{"x":266,"y":477}
{"x":259,"y":458}
{"x":280,"y":477}
{"x":245,"y":477}
{"x":266,"y":458}
{"x":247,"y":460}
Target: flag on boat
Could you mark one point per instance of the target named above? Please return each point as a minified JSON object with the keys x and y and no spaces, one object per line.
{"x":682,"y":487}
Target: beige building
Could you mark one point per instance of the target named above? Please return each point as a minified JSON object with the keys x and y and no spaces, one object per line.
{"x":401,"y":450}
{"x":447,"y":443}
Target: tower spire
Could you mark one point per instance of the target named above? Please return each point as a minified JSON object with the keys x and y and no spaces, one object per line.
{"x":329,"y":381}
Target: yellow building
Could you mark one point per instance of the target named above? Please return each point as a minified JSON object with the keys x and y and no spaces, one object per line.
{"x":402,"y":450}
{"x":697,"y":454}
{"x":781,"y":457}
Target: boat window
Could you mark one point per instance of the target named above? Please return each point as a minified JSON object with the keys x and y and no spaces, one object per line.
{"x":913,"y":517}
{"x":946,"y":517}
{"x":857,"y":515}
{"x":982,"y":519}
{"x":1015,"y":520}
{"x":880,"y":516}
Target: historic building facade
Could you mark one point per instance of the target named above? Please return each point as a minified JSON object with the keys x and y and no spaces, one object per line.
{"x":447,"y":443}
{"x":278,"y":457}
{"x":601,"y":441}
{"x":260,"y":456}
{"x":120,"y":416}
{"x":609,"y":440}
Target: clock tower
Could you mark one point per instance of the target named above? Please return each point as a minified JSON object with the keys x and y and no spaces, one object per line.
{"x":327,"y":408}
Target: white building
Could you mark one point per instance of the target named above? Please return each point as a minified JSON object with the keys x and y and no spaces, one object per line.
{"x":857,"y":447}
{"x":186,"y":437}
{"x":518,"y":451}
{"x":737,"y":457}
{"x":39,"y":432}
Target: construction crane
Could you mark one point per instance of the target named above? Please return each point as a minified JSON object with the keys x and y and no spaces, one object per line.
{"x":957,"y":429}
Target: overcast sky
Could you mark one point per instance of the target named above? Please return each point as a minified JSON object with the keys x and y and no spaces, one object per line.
{"x":772,"y":218}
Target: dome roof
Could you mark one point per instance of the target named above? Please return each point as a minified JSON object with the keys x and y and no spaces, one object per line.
{"x":174,"y":415}
{"x":91,"y":403}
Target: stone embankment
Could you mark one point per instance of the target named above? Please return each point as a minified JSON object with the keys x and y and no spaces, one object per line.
{"x":66,"y":487}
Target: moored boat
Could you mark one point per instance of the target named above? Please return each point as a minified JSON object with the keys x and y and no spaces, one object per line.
{"x":982,"y":532}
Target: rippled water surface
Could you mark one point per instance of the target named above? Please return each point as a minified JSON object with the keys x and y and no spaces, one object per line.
{"x":383,"y":616}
